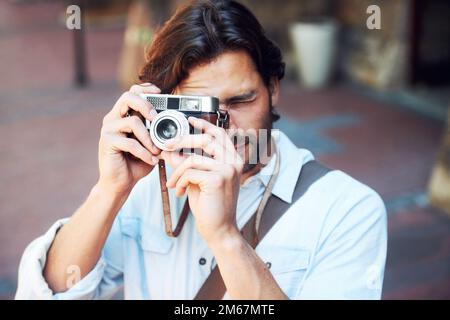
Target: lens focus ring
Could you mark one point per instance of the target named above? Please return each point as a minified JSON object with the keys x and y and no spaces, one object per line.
{"x":167,"y":125}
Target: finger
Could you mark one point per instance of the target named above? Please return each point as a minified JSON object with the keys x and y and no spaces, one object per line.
{"x":173,"y":158}
{"x":209,"y":145}
{"x":205,"y":126}
{"x":192,"y":162}
{"x":192,"y":176}
{"x":134,"y":148}
{"x":217,"y":132}
{"x":144,"y":88}
{"x":130,"y":100}
{"x":194,"y":141}
{"x":226,"y":153}
{"x":135,"y":126}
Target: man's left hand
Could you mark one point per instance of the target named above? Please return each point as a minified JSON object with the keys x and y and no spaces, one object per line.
{"x":212,"y":182}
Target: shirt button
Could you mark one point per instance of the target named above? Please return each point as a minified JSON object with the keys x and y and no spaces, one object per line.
{"x":202,"y":261}
{"x":268,"y":265}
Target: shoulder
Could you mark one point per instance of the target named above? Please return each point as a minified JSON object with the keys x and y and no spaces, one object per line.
{"x":350,"y":206}
{"x":346,"y":187}
{"x":338,"y":203}
{"x":334,"y":200}
{"x":347,"y":192}
{"x":337,"y":189}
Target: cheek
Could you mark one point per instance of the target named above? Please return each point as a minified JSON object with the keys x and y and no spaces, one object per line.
{"x":235,"y":119}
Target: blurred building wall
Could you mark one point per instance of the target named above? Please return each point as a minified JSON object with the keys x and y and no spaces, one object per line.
{"x":377,"y":58}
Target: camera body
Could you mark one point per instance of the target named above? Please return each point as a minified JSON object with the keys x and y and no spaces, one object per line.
{"x":173,"y":112}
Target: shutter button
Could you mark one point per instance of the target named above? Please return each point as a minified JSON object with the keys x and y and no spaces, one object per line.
{"x":202,"y":261}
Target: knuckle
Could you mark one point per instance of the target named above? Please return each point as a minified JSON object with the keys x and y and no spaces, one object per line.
{"x":103,"y":131}
{"x":102,"y":140}
{"x":106,"y":118}
{"x":219,"y":131}
{"x":135,"y":88}
{"x":189,"y":162}
{"x":125,"y":96}
{"x":206,"y":140}
{"x":107,"y":127}
{"x":110,"y":141}
{"x":184,"y":177}
{"x":135,"y":121}
{"x":229,"y":171}
{"x":132,"y":146}
{"x":105,"y":124}
{"x":198,"y":159}
{"x":219,"y":181}
{"x":181,"y":182}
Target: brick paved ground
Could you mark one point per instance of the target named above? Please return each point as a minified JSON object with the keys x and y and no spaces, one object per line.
{"x":50,"y":130}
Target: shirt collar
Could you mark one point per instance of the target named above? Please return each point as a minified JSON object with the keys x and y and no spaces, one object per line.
{"x":291,"y":162}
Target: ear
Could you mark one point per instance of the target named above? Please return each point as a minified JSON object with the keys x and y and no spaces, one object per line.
{"x":274,"y":90}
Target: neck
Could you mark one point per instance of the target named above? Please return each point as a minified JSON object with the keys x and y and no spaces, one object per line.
{"x":262,"y":162}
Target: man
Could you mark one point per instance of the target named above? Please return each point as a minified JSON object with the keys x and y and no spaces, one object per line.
{"x":330,"y":243}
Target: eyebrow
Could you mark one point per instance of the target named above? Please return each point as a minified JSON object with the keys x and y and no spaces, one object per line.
{"x":241,"y":97}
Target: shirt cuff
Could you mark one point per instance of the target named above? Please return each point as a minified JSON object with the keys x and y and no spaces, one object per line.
{"x":31,"y":282}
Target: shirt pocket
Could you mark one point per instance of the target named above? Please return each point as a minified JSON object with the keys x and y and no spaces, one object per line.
{"x":150,"y":239}
{"x":288,"y":267}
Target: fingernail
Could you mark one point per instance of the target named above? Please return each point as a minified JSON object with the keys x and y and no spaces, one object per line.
{"x":153,"y":112}
{"x":146,"y":84}
{"x":155,"y":160}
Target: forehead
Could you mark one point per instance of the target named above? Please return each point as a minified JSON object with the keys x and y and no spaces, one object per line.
{"x":230,"y":74}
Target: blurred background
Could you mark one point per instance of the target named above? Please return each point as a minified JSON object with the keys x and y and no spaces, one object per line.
{"x":368,"y":97}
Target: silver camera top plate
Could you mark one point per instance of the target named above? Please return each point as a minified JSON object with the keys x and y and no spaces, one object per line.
{"x":186,"y":103}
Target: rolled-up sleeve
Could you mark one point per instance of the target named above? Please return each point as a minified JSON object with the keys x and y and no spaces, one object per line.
{"x":350,"y":260}
{"x":102,"y":282}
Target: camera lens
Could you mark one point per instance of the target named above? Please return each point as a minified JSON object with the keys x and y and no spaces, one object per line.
{"x":168,"y":124}
{"x":167,"y":129}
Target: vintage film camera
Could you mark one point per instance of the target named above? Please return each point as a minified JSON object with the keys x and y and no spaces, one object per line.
{"x":173,"y":112}
{"x":171,"y":122}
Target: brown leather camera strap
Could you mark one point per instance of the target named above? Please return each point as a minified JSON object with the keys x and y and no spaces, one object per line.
{"x":214,"y":288}
{"x":166,"y":204}
{"x":222,"y":120}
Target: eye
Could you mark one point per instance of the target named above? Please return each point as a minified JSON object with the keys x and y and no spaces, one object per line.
{"x":244,"y":102}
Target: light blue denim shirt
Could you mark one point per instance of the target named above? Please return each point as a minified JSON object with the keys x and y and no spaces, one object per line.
{"x":330,"y":244}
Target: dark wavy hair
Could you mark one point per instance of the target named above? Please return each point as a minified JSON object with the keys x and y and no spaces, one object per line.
{"x":199,"y":32}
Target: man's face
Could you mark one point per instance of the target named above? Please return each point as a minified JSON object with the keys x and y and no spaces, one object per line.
{"x":233,"y":78}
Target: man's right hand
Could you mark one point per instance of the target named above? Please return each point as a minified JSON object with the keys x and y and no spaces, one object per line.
{"x":124,"y":160}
